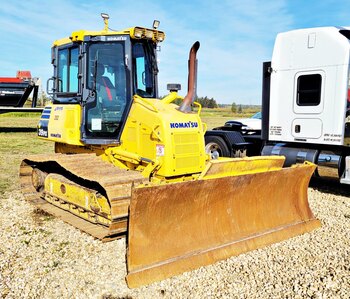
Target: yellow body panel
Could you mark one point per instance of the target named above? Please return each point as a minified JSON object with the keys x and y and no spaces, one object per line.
{"x":158,"y":131}
{"x":61,"y":123}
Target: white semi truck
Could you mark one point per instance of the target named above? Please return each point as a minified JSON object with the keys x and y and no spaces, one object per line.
{"x":305,"y":103}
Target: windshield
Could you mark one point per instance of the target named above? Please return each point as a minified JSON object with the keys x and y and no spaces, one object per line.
{"x":107,"y":76}
{"x":145,"y":69}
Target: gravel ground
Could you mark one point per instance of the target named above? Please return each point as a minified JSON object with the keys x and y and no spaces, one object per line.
{"x":42,"y":257}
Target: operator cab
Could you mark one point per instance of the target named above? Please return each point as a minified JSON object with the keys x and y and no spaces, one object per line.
{"x":101,"y":71}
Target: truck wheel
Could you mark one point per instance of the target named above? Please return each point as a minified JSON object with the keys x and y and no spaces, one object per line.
{"x":216,"y":147}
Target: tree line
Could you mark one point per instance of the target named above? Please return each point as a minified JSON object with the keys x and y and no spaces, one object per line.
{"x":204,"y":101}
{"x":207,"y":102}
{"x":236,"y":108}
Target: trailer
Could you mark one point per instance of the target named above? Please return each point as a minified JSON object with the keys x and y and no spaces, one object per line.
{"x":15,"y":91}
{"x":305,"y":104}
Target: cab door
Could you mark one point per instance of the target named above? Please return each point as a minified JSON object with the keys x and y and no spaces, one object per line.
{"x":308,"y":104}
{"x":108,"y":88}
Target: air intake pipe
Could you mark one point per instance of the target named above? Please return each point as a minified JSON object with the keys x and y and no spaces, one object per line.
{"x":192,"y":80}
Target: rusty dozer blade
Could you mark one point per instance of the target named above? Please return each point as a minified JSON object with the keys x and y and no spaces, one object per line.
{"x":181,"y":226}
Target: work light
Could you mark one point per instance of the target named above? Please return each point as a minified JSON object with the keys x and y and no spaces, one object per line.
{"x":156,"y":24}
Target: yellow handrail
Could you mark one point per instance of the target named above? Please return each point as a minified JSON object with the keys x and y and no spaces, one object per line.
{"x":143,"y":101}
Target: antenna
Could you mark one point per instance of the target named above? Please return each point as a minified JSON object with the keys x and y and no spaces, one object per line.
{"x":105,"y":17}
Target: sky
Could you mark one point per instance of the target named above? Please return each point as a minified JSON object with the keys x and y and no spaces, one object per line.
{"x":236,"y":36}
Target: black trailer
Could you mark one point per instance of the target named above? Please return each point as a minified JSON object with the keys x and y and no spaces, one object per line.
{"x":15,"y":91}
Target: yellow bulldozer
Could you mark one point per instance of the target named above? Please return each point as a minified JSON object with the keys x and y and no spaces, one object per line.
{"x":129,"y":164}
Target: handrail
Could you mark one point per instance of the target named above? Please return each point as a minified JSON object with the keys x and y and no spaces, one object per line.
{"x":199,"y":107}
{"x":171,"y":97}
{"x":143,"y":101}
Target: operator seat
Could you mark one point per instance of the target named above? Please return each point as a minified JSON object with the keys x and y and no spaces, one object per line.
{"x":106,"y":91}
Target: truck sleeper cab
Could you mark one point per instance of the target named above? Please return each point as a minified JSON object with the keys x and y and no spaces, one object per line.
{"x":305,"y":105}
{"x":306,"y":99}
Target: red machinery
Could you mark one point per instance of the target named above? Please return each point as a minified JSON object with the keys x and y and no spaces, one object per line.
{"x":15,"y":91}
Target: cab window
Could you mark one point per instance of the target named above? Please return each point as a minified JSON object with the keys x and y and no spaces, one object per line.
{"x":309,"y":90}
{"x":68,"y":66}
{"x":145,"y":69}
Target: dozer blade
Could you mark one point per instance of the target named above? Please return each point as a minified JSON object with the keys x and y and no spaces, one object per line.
{"x":181,"y":226}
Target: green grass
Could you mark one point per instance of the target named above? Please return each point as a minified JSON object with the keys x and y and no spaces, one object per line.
{"x":15,"y":146}
{"x":218,"y":116}
{"x":20,"y":114}
{"x":226,"y":112}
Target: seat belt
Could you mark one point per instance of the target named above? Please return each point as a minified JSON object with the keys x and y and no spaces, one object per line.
{"x":109,"y":94}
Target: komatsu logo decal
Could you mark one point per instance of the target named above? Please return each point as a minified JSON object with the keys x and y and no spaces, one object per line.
{"x":57,"y":135}
{"x":188,"y":124}
{"x":116,"y":38}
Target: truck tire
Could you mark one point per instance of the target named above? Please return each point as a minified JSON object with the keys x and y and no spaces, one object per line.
{"x":216,"y":147}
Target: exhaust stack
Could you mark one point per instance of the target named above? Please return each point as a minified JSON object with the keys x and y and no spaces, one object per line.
{"x":192,"y":79}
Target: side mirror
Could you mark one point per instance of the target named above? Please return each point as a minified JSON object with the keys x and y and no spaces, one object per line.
{"x":50,"y":90}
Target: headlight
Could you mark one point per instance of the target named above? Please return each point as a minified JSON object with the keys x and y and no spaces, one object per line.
{"x":148,"y":33}
{"x":138,"y":32}
{"x":159,"y":36}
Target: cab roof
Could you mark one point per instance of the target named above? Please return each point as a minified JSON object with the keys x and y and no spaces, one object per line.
{"x":134,"y":32}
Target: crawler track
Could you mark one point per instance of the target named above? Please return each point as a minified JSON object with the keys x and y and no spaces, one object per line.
{"x":89,"y":172}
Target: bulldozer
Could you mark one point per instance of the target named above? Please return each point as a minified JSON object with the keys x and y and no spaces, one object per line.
{"x":127,"y":163}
